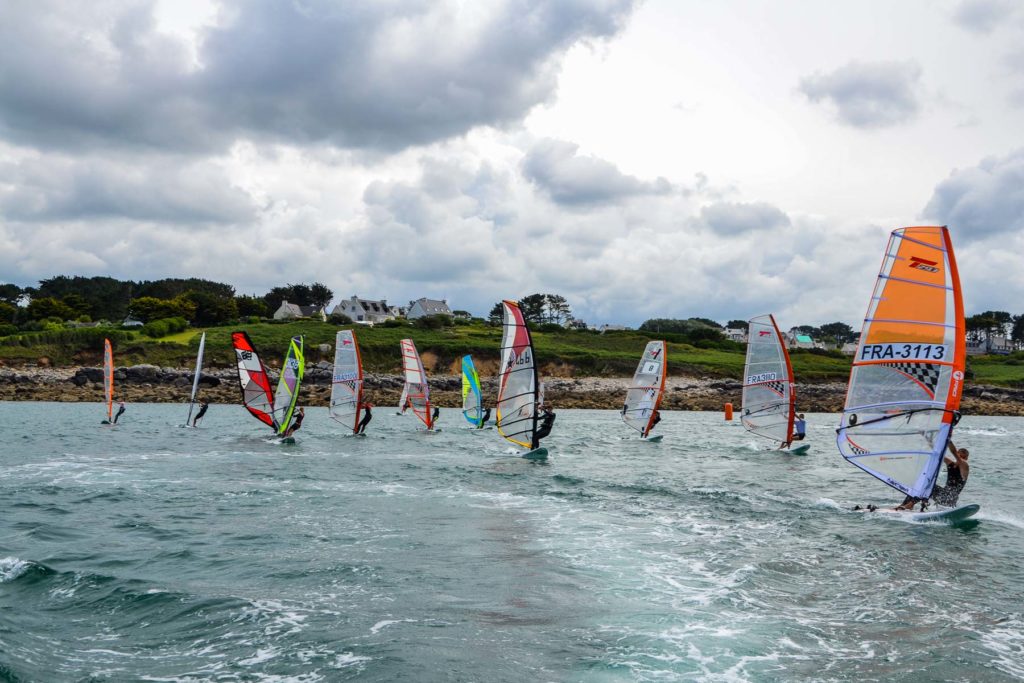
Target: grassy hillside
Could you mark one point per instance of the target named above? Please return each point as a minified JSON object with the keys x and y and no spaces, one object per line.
{"x":562,"y":352}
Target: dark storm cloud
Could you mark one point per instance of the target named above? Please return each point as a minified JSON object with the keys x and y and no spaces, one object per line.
{"x":53,"y":189}
{"x":874,"y":95}
{"x":982,"y":16}
{"x":568,"y":178}
{"x":727,"y":218}
{"x":379,"y":75}
{"x":982,"y":201}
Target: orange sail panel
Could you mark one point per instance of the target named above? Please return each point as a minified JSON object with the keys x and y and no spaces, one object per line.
{"x":257,"y":396}
{"x":417,"y":392}
{"x":908,"y":372}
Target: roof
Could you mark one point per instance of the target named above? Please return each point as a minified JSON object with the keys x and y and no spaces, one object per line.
{"x":431,"y":305}
{"x":804,"y":339}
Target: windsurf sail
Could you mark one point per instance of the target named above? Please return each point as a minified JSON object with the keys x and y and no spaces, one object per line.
{"x":195,"y":379}
{"x":416,"y":392}
{"x":347,"y":382}
{"x":769,"y":398}
{"x":645,"y":391}
{"x":288,"y":385}
{"x":908,"y":373}
{"x":108,"y":378}
{"x":518,"y":385}
{"x":252,"y":376}
{"x":472,"y":399}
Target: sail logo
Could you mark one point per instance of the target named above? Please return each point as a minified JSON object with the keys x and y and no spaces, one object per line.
{"x":245,"y":355}
{"x":345,"y":376}
{"x":764,"y":333}
{"x":958,"y":377}
{"x":924,"y":264}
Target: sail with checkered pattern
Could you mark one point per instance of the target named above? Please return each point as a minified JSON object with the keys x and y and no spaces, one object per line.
{"x":347,"y":381}
{"x":645,"y":391}
{"x":768,"y":396}
{"x":908,"y":371}
{"x":252,"y":376}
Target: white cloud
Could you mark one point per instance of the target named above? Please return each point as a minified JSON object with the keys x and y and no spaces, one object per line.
{"x":868,"y":95}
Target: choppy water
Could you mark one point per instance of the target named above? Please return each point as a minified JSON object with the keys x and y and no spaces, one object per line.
{"x":150,"y":552}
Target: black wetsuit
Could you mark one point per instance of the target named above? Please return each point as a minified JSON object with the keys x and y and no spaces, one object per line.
{"x":202,"y":411}
{"x":545,"y":428}
{"x":299,"y":417}
{"x":949,"y":494}
{"x":437,"y":414}
{"x":485,"y":418}
{"x":656,"y":420}
{"x":120,"y":411}
{"x":365,"y":421}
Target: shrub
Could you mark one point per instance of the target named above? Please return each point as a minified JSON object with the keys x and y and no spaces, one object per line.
{"x":395,"y":322}
{"x":339,"y":319}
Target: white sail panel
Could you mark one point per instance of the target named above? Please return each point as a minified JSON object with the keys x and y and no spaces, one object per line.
{"x":517,"y":392}
{"x":907,"y":375}
{"x":768,"y":394}
{"x":647,"y":388}
{"x":417,"y":391}
{"x":108,"y":378}
{"x":347,"y":381}
{"x":195,"y":378}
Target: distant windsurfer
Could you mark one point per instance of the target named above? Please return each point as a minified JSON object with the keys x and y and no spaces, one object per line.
{"x":484,"y":419}
{"x":120,"y":411}
{"x":203,"y":406}
{"x":368,"y":415}
{"x":546,"y":422}
{"x":297,"y":424}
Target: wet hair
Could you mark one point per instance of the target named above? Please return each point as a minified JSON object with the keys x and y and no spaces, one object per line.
{"x":964,"y":453}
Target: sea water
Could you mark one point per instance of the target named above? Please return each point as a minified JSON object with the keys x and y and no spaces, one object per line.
{"x":148,"y":551}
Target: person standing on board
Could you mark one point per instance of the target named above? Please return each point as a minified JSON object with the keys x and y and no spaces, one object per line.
{"x":655,"y":419}
{"x":547,"y":421}
{"x":799,"y":427}
{"x":120,"y":411}
{"x":299,"y":417}
{"x":485,"y":418}
{"x":361,"y":429}
{"x":957,"y":471}
{"x":437,"y":414}
{"x":203,"y":406}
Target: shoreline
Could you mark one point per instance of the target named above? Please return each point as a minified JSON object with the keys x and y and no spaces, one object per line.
{"x":152,"y":384}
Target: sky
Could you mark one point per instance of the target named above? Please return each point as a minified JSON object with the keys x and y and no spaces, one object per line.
{"x":664,"y":158}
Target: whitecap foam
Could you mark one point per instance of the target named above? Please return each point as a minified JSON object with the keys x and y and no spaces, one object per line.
{"x":381,"y":625}
{"x":11,"y":568}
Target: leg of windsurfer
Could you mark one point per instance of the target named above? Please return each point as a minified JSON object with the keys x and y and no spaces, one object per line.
{"x":299,"y":417}
{"x":485,"y":418}
{"x":366,"y":418}
{"x":654,"y":420}
{"x":203,"y":405}
{"x":120,"y":411}
{"x":437,"y":413}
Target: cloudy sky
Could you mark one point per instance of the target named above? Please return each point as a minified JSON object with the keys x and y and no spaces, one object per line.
{"x":660,"y":158}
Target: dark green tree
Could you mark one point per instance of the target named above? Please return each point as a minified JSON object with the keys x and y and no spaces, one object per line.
{"x":251,"y":306}
{"x":49,"y":307}
{"x":496,"y":314}
{"x":212,"y":309}
{"x":533,"y":308}
{"x":1017,"y":334}
{"x":739,"y":325}
{"x":10,"y":294}
{"x":838,"y":331}
{"x":320,"y":294}
{"x":558,"y":309}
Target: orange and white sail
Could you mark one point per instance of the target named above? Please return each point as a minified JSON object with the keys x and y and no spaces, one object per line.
{"x":769,"y":399}
{"x":416,"y":392}
{"x":646,"y":390}
{"x":908,"y":373}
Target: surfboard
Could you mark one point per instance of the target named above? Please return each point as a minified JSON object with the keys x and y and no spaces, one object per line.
{"x":287,"y":440}
{"x":653,"y":439}
{"x":536,"y":454}
{"x":947,"y":516}
{"x":798,"y":450}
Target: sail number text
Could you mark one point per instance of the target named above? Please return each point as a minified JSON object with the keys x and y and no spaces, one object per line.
{"x":763,"y":377}
{"x":904,"y":352}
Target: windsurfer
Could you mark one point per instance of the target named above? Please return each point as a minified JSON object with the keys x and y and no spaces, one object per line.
{"x":546,"y":422}
{"x":203,"y":406}
{"x":299,"y":417}
{"x":437,"y":414}
{"x":655,"y":419}
{"x":799,"y":428}
{"x":366,"y":418}
{"x":957,"y":470}
{"x":120,"y":410}
{"x":485,"y":418}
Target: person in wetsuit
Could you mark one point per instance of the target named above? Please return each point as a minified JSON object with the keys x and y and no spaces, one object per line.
{"x":361,"y":428}
{"x":485,"y":418}
{"x":299,"y":417}
{"x":957,"y":471}
{"x":120,"y":411}
{"x":546,"y":422}
{"x":654,"y":420}
{"x":203,"y":405}
{"x":437,"y":413}
{"x":799,"y":427}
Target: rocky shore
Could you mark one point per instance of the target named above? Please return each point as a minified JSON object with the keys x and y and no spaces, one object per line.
{"x":152,"y":384}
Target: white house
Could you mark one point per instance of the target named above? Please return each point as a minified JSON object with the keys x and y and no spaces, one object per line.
{"x":422,"y":307}
{"x":996,"y":344}
{"x":289,"y":311}
{"x":364,"y":310}
{"x":799,"y":340}
{"x":736,"y":334}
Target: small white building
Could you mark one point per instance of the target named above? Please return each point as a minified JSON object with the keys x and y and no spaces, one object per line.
{"x":799,"y":340}
{"x":422,"y":307}
{"x":364,"y":310}
{"x":997,"y":344}
{"x":289,"y":311}
{"x":132,"y":322}
{"x":736,"y":334}
{"x":612,"y":328}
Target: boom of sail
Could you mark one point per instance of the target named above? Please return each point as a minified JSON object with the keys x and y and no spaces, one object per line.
{"x":472,"y":399}
{"x":518,"y":385}
{"x":347,"y":382}
{"x":416,"y":392}
{"x":646,"y":390}
{"x":908,"y":373}
{"x":769,"y":398}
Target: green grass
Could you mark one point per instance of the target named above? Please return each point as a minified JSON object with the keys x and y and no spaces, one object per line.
{"x":583,"y":353}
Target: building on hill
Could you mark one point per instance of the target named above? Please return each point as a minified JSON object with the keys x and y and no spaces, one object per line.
{"x":799,"y":340}
{"x":736,"y":334}
{"x":131,"y":322}
{"x":612,"y":328}
{"x":364,"y":310}
{"x":997,"y":344}
{"x":289,"y":311}
{"x":422,"y":307}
